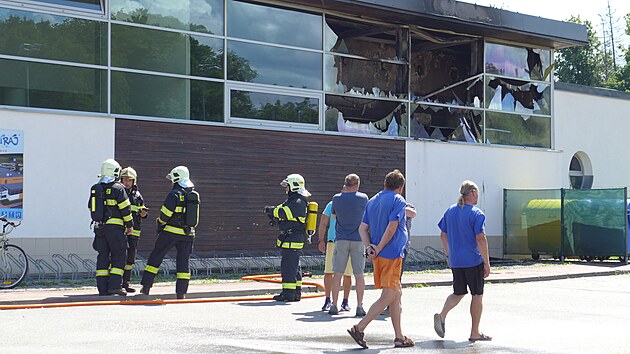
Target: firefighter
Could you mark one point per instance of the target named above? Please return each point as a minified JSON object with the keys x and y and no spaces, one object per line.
{"x":174,"y":229}
{"x":291,"y":219}
{"x":129,"y":179}
{"x":110,"y":241}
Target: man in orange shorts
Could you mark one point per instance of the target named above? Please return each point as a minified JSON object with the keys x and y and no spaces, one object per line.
{"x":384,"y":234}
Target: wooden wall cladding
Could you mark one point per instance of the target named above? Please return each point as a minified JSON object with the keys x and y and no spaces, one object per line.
{"x":238,"y":171}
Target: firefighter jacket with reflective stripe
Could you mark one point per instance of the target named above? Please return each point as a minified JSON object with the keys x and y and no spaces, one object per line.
{"x":117,"y":204}
{"x":137,"y":204}
{"x":172,"y":212}
{"x":291,"y":216}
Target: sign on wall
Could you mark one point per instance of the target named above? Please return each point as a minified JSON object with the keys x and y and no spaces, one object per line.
{"x":11,"y":173}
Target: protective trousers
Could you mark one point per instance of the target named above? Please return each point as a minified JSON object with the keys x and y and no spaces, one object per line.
{"x":163,"y":244}
{"x":132,"y":247}
{"x":111,"y":244}
{"x":291,"y":272}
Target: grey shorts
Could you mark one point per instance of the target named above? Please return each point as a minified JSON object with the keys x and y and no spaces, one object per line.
{"x":352,"y":250}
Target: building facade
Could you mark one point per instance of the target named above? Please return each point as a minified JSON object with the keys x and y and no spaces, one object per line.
{"x":247,"y":92}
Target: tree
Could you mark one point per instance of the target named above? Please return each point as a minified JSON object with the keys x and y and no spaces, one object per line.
{"x":581,"y":65}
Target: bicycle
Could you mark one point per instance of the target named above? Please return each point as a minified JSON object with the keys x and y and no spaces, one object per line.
{"x":13,"y":260}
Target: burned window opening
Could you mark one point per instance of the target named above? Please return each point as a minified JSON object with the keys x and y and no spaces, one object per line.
{"x":511,"y":95}
{"x":518,"y":62}
{"x":446,"y":124}
{"x":449,"y":95}
{"x":365,"y":116}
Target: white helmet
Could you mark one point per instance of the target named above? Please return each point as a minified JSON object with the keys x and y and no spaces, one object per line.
{"x":110,"y":171}
{"x":181,"y":176}
{"x":129,"y":172}
{"x":295,"y":182}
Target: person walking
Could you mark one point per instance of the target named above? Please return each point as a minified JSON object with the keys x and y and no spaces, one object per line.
{"x":291,"y":219}
{"x":176,"y":227}
{"x":384,"y":234}
{"x":129,"y":178}
{"x":347,"y":209}
{"x":110,"y":230}
{"x":327,"y":246}
{"x":466,"y":246}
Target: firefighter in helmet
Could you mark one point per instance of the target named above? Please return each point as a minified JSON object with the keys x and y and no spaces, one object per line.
{"x":291,"y":218}
{"x":110,"y":241}
{"x":178,"y":218}
{"x":129,"y":179}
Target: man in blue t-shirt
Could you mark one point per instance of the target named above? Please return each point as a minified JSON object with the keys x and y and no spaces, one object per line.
{"x":464,"y":240}
{"x":347,"y":210}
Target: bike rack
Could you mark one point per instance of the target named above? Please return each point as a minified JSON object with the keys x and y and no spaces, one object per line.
{"x":88,"y":264}
{"x":58,"y":259}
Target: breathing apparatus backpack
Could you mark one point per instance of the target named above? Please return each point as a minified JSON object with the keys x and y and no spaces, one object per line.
{"x":191,"y":216}
{"x":311,"y":220}
{"x":97,"y":203}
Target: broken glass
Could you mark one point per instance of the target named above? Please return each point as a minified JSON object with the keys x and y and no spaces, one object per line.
{"x":466,"y":93}
{"x":363,"y":77}
{"x":511,"y":95}
{"x":365,"y":116}
{"x":518,"y":130}
{"x":446,"y":123}
{"x":519,"y":62}
{"x":366,"y":40}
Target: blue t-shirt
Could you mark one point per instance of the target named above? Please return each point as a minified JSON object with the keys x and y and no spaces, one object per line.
{"x":348,"y":207}
{"x":332,"y":222}
{"x":462,"y":225}
{"x":384,"y":207}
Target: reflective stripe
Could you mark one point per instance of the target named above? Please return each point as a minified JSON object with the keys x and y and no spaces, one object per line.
{"x":102,"y":273}
{"x":135,"y":233}
{"x":135,"y":208}
{"x":166,"y":211}
{"x":114,"y":221}
{"x":93,"y":204}
{"x":127,"y":218}
{"x":111,"y":202}
{"x":161,"y":221}
{"x":302,"y":219}
{"x":179,"y":209}
{"x":183,"y":275}
{"x":275,"y":211}
{"x":289,"y":214}
{"x":128,"y":267}
{"x":175,"y":230}
{"x":290,"y":245}
{"x":299,"y":283}
{"x":291,"y":286}
{"x":151,"y":269}
{"x":124,"y":204}
{"x":116,"y":271}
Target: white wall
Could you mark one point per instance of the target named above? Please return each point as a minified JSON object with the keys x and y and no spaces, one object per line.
{"x":62,"y":156}
{"x":435,"y":171}
{"x":598,"y":126}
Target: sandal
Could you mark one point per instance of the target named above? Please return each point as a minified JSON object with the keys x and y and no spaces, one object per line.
{"x":358,"y":336}
{"x":481,"y":337}
{"x":403,"y":342}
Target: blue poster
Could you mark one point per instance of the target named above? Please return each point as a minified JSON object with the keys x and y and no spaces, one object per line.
{"x":11,"y":173}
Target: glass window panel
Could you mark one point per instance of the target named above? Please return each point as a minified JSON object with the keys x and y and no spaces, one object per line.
{"x":518,"y":96}
{"x":575,"y":165}
{"x":274,"y":107}
{"x":365,"y":39}
{"x":204,"y":16}
{"x":365,"y":116}
{"x":157,"y":96}
{"x":81,"y":4}
{"x":519,"y":130}
{"x":155,"y":50}
{"x":274,"y":25}
{"x":518,"y":62}
{"x":366,"y":77}
{"x":274,"y":66}
{"x":446,"y":123}
{"x":44,"y":36}
{"x":52,"y":86}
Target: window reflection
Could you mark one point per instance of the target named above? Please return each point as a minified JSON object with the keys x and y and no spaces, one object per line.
{"x":274,"y":107}
{"x":365,"y":116}
{"x":520,"y":130}
{"x":518,"y":62}
{"x":446,"y":123}
{"x":274,"y":66}
{"x":155,"y":50}
{"x":44,"y":36}
{"x":273,"y":25}
{"x":510,"y":95}
{"x":192,"y":15}
{"x":80,"y":4}
{"x":365,"y":77}
{"x":365,"y":39}
{"x":64,"y":87}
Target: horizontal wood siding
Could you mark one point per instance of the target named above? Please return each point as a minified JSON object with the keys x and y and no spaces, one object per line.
{"x":238,"y":171}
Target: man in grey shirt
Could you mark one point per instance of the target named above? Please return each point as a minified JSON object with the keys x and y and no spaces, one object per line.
{"x":347,"y":209}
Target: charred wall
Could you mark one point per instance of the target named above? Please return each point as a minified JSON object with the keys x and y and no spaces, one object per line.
{"x":237,"y":171}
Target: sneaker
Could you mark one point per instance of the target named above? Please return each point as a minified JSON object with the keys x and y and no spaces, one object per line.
{"x":333,"y":310}
{"x":438,"y":325}
{"x":327,"y":305}
{"x":345,"y":306}
{"x":360,"y":312}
